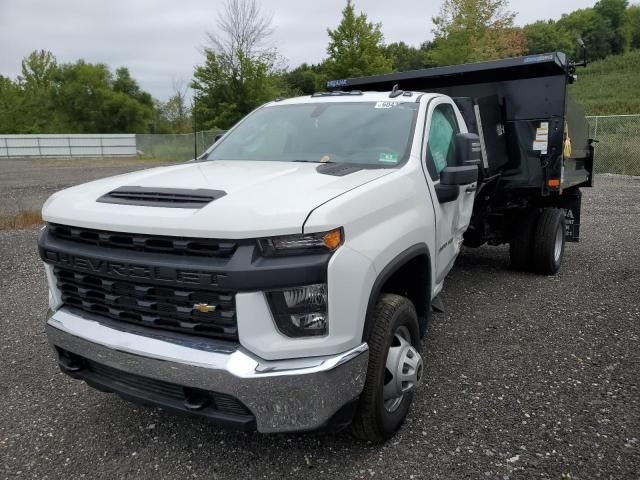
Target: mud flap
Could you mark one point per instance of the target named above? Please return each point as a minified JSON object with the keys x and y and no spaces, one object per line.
{"x":573,"y":201}
{"x":437,"y":305}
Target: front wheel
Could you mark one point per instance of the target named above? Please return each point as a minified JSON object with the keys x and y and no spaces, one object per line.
{"x":395,"y":370}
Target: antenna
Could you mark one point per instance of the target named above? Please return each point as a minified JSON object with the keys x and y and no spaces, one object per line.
{"x":395,"y":91}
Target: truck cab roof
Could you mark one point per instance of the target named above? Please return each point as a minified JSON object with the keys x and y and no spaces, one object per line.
{"x":357,"y":96}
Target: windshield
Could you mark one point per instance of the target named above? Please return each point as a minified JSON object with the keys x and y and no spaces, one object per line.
{"x":366,"y":133}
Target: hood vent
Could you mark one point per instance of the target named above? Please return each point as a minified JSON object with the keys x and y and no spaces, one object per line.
{"x":161,"y":197}
{"x":338,"y":169}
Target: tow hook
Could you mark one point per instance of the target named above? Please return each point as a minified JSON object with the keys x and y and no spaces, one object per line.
{"x":195,"y":399}
{"x":68,"y":363}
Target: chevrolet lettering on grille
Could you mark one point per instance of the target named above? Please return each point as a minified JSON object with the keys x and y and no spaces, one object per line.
{"x":128,"y":271}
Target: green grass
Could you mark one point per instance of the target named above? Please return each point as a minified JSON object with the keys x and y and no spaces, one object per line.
{"x":610,"y":86}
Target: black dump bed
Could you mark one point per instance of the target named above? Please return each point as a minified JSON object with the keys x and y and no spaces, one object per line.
{"x":532,"y":133}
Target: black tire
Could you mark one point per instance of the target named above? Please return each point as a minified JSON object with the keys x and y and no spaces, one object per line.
{"x":521,"y":243}
{"x":549,"y":241}
{"x":372,"y":422}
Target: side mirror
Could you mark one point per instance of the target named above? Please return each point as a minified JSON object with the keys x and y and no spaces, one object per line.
{"x":218,"y":136}
{"x":468,"y":149}
{"x":452,"y":178}
{"x":459,"y":175}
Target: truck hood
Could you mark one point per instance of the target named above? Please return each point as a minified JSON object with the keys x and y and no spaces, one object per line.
{"x":262,"y":199}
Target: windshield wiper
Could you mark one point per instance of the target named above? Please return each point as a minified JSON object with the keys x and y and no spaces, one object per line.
{"x":311,"y":161}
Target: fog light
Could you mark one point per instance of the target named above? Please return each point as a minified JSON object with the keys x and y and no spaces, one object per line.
{"x":310,"y":321}
{"x":300,"y":311}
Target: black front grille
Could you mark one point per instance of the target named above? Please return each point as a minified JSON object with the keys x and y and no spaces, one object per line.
{"x":168,"y":307}
{"x":121,"y":380}
{"x":197,"y":247}
{"x":131,"y":381}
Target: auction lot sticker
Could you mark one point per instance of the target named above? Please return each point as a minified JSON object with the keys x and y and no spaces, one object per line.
{"x":387,"y":157}
{"x":541,"y":142}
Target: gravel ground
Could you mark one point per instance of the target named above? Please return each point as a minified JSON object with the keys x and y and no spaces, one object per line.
{"x":527,"y":377}
{"x":26,"y":183}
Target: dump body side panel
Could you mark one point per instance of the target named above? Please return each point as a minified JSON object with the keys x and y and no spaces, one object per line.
{"x":578,"y":164}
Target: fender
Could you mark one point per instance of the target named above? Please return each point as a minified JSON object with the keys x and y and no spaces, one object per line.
{"x":387,"y":272}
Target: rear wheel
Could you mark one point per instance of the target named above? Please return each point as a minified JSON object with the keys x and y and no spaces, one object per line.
{"x":549,"y":241}
{"x":394,"y":370}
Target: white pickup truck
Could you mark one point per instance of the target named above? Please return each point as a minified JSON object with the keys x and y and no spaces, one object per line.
{"x":284,"y":280}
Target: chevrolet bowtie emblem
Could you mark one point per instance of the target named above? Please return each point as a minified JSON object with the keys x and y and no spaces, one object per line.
{"x":204,"y":307}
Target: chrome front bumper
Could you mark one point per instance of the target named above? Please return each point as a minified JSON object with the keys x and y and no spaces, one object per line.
{"x":288,"y":395}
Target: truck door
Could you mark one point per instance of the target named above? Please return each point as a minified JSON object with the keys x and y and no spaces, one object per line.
{"x":452,"y":215}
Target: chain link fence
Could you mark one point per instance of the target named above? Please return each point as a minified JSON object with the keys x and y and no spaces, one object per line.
{"x":174,"y":146}
{"x":618,"y":147}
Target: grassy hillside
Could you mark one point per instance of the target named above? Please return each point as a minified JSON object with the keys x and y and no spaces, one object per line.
{"x":610,"y":86}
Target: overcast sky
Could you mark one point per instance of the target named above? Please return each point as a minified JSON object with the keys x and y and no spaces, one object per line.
{"x":160,"y":40}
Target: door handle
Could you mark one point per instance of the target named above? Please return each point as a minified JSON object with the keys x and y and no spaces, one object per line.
{"x":471,"y":189}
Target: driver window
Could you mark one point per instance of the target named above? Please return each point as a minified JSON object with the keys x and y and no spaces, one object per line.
{"x":441,"y":140}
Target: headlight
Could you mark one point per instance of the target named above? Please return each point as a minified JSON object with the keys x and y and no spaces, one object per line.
{"x":301,"y":244}
{"x":300,"y":311}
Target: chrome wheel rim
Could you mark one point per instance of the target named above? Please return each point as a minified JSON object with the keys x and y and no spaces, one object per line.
{"x":403,"y":370}
{"x":557,"y":248}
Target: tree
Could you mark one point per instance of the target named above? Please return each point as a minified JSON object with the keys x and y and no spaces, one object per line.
{"x":633,"y":25}
{"x":126,"y":84}
{"x":405,"y":57}
{"x":306,"y":79}
{"x":79,"y":97}
{"x":598,"y":37}
{"x":356,"y":47}
{"x":37,"y":70}
{"x":87,"y":99}
{"x":10,"y":111}
{"x":240,"y":70}
{"x":603,"y":28}
{"x":501,"y":43}
{"x":472,"y":30}
{"x":594,"y":30}
{"x":615,"y":12}
{"x":35,"y":83}
{"x":176,"y":110}
{"x":243,"y":32}
{"x":546,"y":36}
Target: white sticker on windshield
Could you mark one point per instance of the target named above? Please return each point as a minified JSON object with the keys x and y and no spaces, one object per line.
{"x":386,"y":104}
